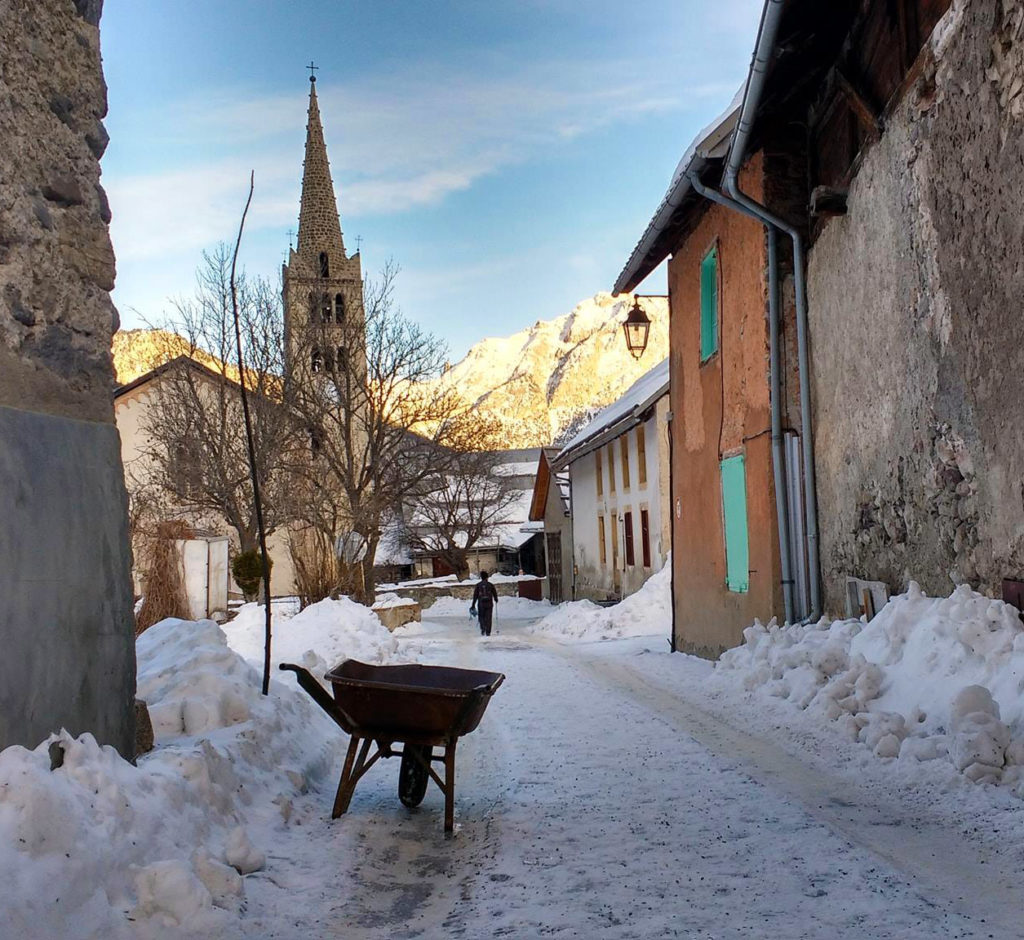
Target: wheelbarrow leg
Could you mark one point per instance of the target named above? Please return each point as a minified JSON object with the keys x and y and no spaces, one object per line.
{"x":449,"y":787}
{"x":347,"y":784}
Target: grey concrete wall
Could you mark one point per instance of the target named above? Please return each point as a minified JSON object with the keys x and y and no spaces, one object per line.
{"x":917,"y":334}
{"x":66,"y":625}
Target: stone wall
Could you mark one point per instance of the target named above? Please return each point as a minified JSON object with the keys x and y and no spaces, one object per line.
{"x":66,"y":622}
{"x":917,"y":339}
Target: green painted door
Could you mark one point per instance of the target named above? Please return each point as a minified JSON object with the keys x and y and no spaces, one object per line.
{"x":734,"y":506}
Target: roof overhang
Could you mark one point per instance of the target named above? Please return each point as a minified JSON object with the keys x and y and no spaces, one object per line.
{"x":616,"y":428}
{"x":660,"y":236}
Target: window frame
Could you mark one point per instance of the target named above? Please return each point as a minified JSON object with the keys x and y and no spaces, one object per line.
{"x":641,"y":455}
{"x":628,"y":538}
{"x":602,"y":553}
{"x":611,"y":468}
{"x":624,"y":455}
{"x":599,"y":472}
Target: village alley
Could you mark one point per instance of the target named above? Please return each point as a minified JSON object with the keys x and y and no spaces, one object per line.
{"x":596,"y":799}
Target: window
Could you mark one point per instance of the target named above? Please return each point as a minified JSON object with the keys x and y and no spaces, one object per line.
{"x":645,"y":536}
{"x":314,"y":308}
{"x":734,"y":511}
{"x":325,"y":308}
{"x":316,"y":441}
{"x":641,"y":456}
{"x":611,"y":468}
{"x":599,"y":471}
{"x":316,"y":361}
{"x":182,"y":468}
{"x":325,"y":265}
{"x":624,"y":451}
{"x":600,"y":540}
{"x":339,"y":308}
{"x":709,"y":305}
{"x":627,"y":521}
{"x":615,"y":542}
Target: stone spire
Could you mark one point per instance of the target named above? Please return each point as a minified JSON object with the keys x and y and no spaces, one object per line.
{"x":319,"y":226}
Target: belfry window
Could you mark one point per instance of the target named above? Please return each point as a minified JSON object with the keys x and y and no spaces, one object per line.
{"x":325,"y":265}
{"x":342,"y":359}
{"x":316,"y":361}
{"x":339,"y":308}
{"x":325,"y":308}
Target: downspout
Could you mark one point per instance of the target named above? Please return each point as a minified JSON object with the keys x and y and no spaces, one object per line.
{"x":671,"y":529}
{"x":778,"y":451}
{"x":755,"y":85}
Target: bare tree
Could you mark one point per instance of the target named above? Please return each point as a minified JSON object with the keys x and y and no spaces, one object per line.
{"x":453,"y":511}
{"x":377,"y":426}
{"x":197,"y":452}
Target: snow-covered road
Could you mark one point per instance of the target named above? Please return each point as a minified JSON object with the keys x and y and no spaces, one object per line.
{"x":596,"y":799}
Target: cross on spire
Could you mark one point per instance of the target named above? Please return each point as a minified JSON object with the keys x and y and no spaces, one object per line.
{"x":291,"y":233}
{"x":312,"y":68}
{"x":359,"y":242}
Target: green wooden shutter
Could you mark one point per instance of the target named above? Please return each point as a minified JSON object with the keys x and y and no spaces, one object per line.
{"x":709,"y":305}
{"x":734,"y":504}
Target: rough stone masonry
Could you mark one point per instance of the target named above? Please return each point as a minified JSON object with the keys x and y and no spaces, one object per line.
{"x":915,"y":299}
{"x":66,"y":625}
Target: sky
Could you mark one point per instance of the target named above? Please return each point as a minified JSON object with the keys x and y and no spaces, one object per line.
{"x":506,"y":155}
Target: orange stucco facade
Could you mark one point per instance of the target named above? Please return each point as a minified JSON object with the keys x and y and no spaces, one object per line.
{"x":721,"y":408}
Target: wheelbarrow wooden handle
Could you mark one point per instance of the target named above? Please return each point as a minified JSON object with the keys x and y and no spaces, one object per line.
{"x":321,"y":696}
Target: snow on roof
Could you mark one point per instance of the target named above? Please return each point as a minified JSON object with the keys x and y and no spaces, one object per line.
{"x":644,"y":391}
{"x":711,"y":138}
{"x":516,"y":469}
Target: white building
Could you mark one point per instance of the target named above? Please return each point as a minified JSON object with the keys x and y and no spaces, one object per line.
{"x":618,"y":483}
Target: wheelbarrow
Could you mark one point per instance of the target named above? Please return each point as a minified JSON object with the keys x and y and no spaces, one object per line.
{"x":420,"y":707}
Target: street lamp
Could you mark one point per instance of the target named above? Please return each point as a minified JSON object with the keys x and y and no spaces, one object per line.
{"x":636,"y":328}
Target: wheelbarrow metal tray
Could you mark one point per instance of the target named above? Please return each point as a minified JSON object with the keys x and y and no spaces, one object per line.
{"x":412,"y":702}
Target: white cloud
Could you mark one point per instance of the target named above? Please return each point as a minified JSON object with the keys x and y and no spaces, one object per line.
{"x":396,"y":143}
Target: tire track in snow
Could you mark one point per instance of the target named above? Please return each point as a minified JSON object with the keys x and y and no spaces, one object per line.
{"x":944,"y":866}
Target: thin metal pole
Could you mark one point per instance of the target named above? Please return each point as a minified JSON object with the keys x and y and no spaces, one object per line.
{"x":251,"y":445}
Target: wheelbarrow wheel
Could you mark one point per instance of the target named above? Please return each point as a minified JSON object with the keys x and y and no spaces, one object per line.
{"x":413,"y":777}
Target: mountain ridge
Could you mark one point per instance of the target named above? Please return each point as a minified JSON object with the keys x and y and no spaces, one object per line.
{"x":533,"y":386}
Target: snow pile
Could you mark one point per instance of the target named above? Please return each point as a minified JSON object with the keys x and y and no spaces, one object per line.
{"x":96,"y":845}
{"x":318,"y":637}
{"x":645,"y":613}
{"x":928,"y":678}
{"x":389,"y":600}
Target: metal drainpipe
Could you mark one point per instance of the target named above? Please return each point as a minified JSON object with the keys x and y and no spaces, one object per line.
{"x":778,"y":451}
{"x":758,"y":70}
{"x":671,"y":528}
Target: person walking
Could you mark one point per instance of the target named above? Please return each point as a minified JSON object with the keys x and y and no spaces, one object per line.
{"x":485,"y":596}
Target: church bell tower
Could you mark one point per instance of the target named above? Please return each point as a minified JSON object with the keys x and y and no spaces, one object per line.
{"x":323,"y":286}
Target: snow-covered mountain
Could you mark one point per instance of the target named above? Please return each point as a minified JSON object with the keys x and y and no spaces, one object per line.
{"x":545,"y":381}
{"x":533,"y":388}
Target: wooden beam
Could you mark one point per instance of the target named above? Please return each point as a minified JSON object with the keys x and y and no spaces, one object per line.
{"x":866,"y":114}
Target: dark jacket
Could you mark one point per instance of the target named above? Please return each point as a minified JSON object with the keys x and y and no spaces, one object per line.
{"x":485,"y":593}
